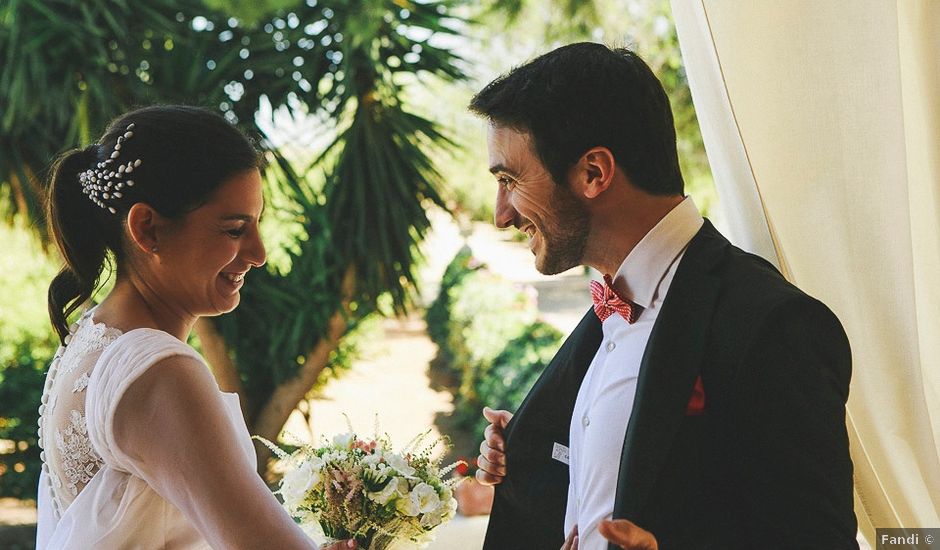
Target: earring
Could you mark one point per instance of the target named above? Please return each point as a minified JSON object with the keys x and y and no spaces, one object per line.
{"x":153,"y":249}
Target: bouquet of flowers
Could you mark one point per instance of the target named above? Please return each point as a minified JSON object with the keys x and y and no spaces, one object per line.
{"x":352,"y":488}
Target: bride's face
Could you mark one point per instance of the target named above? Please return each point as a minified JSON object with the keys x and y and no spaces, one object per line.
{"x":203,"y":259}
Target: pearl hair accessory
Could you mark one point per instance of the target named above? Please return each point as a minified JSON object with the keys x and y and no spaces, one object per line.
{"x":103,"y":182}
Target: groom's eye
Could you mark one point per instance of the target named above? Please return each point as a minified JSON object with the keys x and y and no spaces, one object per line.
{"x":505,"y":182}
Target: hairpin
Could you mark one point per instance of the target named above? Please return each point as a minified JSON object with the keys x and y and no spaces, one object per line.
{"x":104,"y":182}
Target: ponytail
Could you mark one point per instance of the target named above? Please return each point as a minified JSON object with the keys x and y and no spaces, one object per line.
{"x":74,"y":224}
{"x":171,"y":144}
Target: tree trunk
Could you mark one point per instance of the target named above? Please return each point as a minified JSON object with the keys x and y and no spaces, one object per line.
{"x":216,"y":351}
{"x":19,"y":196}
{"x":284,"y":399}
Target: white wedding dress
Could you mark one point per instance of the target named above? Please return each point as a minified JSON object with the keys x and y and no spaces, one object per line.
{"x":94,"y":495}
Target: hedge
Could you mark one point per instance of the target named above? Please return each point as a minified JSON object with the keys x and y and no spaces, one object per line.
{"x":490,"y":338}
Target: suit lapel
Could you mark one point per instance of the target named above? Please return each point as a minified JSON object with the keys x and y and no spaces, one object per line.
{"x":670,"y":365}
{"x":561,"y":380}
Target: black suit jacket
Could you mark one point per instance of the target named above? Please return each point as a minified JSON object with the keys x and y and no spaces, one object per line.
{"x":767,"y":466}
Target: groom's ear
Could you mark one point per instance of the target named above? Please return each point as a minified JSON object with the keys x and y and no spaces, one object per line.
{"x":593,"y":172}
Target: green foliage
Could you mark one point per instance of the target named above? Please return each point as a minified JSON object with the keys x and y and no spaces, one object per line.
{"x":69,"y":66}
{"x":26,"y":348}
{"x":439,"y":312}
{"x":562,"y":19}
{"x":369,"y":211}
{"x":384,"y":172}
{"x":515,"y":370}
{"x":513,"y":31}
{"x":489,"y":338}
{"x":486,"y":312}
{"x":21,"y":381}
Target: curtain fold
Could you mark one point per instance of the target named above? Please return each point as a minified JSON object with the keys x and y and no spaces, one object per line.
{"x":821,"y":121}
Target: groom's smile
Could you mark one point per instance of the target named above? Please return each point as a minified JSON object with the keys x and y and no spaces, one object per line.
{"x":530,"y":200}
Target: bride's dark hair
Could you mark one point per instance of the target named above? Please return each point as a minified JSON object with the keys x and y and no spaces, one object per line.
{"x":185,"y":152}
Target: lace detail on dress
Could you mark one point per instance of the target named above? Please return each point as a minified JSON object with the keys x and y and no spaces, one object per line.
{"x":79,"y":459}
{"x":93,"y":337}
{"x":72,"y":462}
{"x":81,"y":383}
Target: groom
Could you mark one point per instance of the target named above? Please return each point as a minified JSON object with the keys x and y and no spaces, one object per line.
{"x":701,"y":402}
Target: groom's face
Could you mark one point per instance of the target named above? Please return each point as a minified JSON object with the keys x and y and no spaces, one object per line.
{"x":530,"y":200}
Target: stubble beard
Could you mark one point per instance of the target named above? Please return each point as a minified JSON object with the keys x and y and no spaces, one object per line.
{"x":565,"y":237}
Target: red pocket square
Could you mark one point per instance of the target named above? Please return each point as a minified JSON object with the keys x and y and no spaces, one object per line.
{"x":696,"y":405}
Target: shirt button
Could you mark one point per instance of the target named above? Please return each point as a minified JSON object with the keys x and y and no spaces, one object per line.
{"x":611,"y":346}
{"x":585,"y":421}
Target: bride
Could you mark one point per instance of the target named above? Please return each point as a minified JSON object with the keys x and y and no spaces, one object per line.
{"x":140,"y":448}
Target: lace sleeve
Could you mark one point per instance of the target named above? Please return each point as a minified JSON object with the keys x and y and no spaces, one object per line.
{"x":169,"y":426}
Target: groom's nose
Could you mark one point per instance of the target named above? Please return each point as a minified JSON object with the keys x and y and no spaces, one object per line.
{"x":504,"y":213}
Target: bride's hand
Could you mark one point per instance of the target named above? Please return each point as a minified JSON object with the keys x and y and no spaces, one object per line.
{"x":341,"y":545}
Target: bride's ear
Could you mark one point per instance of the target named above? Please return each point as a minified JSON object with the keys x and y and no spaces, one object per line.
{"x":144,"y":226}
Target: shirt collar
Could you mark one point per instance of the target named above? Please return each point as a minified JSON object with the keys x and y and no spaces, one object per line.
{"x":643,"y":269}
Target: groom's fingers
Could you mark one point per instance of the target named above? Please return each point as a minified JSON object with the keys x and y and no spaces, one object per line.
{"x":492,"y":468}
{"x":493,"y":438}
{"x":488,"y":473}
{"x":571,"y":542}
{"x":492,"y":456}
{"x":492,"y":460}
{"x":497,"y":417}
{"x":627,"y":535}
{"x":484,"y":478}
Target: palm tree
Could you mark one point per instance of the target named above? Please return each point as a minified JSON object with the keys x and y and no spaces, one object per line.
{"x":357,"y":212}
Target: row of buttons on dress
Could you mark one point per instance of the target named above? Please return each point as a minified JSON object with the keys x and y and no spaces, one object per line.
{"x":46,"y":405}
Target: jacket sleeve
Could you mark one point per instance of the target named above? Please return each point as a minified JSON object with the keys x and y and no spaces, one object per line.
{"x":790,"y":444}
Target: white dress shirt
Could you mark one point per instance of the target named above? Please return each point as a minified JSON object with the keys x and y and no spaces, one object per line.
{"x":605,"y":400}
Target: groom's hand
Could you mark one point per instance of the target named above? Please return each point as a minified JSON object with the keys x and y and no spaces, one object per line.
{"x":571,"y":543}
{"x":492,"y":459}
{"x":627,"y":535}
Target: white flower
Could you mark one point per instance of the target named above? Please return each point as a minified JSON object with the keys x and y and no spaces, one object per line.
{"x":431,"y":520}
{"x":315,"y":462}
{"x":394,"y":489}
{"x":451,"y":508}
{"x":425,"y":498}
{"x":344,"y":441}
{"x":297,"y":482}
{"x":335,"y":456}
{"x":407,"y":506}
{"x":424,"y":539}
{"x":373,"y":459}
{"x":400,"y":465}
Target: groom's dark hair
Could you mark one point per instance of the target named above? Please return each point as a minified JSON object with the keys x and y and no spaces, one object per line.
{"x":587,"y":95}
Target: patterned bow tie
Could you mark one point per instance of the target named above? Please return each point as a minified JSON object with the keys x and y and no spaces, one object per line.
{"x":607,"y":301}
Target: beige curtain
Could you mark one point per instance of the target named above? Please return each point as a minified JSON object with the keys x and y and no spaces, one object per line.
{"x":822,"y":124}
